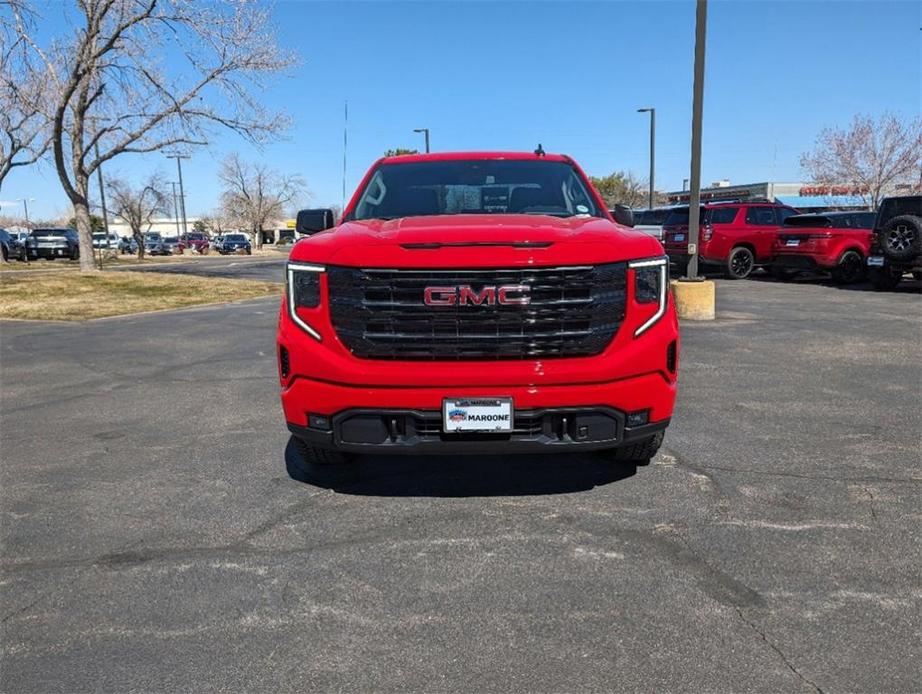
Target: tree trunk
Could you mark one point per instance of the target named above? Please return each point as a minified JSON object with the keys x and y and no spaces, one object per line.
{"x":84,"y":229}
{"x":139,"y":239}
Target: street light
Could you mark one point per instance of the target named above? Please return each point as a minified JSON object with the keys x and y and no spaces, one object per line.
{"x":426,"y":132}
{"x":182,"y":195}
{"x":25,"y":207}
{"x":694,"y":198}
{"x":175,"y":208}
{"x":652,"y":112}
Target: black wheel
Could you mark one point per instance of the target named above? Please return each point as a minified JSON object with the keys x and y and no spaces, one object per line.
{"x":639,"y":452}
{"x":917,"y":275}
{"x":249,"y":251}
{"x":850,"y":268}
{"x":740,"y":263}
{"x":901,"y":237}
{"x":4,"y":251}
{"x":320,"y":456}
{"x":884,"y":279}
{"x":75,"y":253}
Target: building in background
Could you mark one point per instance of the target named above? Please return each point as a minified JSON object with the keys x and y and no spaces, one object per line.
{"x":807,"y":197}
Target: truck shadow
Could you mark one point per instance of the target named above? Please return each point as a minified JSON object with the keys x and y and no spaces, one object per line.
{"x":460,"y":476}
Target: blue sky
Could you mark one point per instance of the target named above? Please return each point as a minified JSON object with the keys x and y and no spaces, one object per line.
{"x":570,"y":75}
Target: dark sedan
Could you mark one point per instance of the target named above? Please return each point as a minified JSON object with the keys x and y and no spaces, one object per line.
{"x":235,"y":243}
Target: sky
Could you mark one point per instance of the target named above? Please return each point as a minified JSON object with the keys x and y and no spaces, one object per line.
{"x":568,"y":75}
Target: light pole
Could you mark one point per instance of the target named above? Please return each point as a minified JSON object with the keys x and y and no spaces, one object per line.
{"x":182,"y":195}
{"x":25,"y":207}
{"x":652,"y":112}
{"x":684,"y":184}
{"x":425,"y":131}
{"x":175,"y":208}
{"x":694,"y":202}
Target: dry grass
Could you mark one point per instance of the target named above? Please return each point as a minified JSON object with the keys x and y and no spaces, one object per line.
{"x":76,"y":296}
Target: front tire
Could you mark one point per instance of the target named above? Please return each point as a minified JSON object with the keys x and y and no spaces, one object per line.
{"x":638,"y":452}
{"x":850,"y":268}
{"x":740,"y":263}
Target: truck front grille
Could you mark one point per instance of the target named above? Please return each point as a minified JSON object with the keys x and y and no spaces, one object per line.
{"x":573,"y":312}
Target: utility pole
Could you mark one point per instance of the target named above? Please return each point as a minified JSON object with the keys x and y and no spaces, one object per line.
{"x":684,"y":184}
{"x":182,"y":195}
{"x":102,"y":200}
{"x":345,"y":146}
{"x":25,"y":207}
{"x":652,"y":112}
{"x":175,"y":208}
{"x":694,"y":203}
{"x":425,"y":132}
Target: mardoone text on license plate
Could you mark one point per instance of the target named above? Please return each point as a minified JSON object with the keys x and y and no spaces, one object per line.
{"x":477,"y":414}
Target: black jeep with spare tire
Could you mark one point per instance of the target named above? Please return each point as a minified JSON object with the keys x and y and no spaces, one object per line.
{"x":897,"y":245}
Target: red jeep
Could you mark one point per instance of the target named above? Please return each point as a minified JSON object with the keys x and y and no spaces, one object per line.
{"x":472,"y":303}
{"x":737,"y":236}
{"x":835,"y":242}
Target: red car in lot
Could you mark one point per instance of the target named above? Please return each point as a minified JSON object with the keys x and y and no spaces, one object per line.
{"x":736,"y":236}
{"x":195,"y":240}
{"x":834,"y":242}
{"x":476,"y":303}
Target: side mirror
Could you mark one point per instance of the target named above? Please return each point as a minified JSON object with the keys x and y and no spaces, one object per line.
{"x":312,"y":221}
{"x":623,"y":215}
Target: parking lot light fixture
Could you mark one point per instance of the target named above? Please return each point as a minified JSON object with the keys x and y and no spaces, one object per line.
{"x":425,"y":131}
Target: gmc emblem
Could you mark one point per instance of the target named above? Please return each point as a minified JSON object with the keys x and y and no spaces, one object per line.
{"x":464,"y":295}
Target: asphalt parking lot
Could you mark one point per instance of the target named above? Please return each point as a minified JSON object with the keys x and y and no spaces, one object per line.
{"x":152,"y":539}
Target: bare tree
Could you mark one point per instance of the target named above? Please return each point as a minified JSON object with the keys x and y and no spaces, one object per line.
{"x":144,"y":75}
{"x":137,"y":207}
{"x":257,"y":194}
{"x":621,"y":188}
{"x":871,"y":157}
{"x":24,"y":127}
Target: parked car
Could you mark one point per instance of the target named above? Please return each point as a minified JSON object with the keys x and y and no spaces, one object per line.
{"x":232,"y":243}
{"x":651,"y":221}
{"x":127,"y":245}
{"x":53,"y":242}
{"x":172,"y":245}
{"x":834,"y":242}
{"x":103,"y":240}
{"x":154,"y":245}
{"x":736,"y":236}
{"x":552,"y":318}
{"x":897,"y":244}
{"x":217,"y":242}
{"x":195,"y":240}
{"x":18,"y":244}
{"x":9,"y":246}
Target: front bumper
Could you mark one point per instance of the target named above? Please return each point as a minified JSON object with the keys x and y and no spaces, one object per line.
{"x":55,"y":252}
{"x":549,"y":430}
{"x":408,"y":420}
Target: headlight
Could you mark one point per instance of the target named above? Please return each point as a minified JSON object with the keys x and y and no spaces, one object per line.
{"x":650,"y":287}
{"x":303,"y":291}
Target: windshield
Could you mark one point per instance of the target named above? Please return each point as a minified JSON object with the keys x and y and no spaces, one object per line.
{"x":49,"y":232}
{"x":475,"y":186}
{"x":651,"y":217}
{"x":196,"y":237}
{"x":151,"y":237}
{"x":234,"y":237}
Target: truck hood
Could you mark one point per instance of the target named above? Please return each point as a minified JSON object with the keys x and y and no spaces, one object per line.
{"x":475,"y":241}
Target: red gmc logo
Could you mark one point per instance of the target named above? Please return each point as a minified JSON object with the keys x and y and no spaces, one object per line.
{"x":464,"y":295}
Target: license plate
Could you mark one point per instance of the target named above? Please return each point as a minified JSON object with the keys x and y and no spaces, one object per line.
{"x":678,"y":237}
{"x":793,"y":242}
{"x":876,"y":261}
{"x":477,"y":414}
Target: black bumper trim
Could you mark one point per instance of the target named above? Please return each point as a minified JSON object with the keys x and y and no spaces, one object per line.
{"x":404,"y":437}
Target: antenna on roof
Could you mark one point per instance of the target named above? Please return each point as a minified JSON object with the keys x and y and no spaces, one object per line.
{"x":540,"y":151}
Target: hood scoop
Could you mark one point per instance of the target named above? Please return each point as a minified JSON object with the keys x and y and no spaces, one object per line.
{"x":435,"y":245}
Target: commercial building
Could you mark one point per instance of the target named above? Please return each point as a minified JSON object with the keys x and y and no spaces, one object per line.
{"x":807,"y":197}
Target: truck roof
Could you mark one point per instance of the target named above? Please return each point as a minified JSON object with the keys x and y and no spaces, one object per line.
{"x":455,"y":156}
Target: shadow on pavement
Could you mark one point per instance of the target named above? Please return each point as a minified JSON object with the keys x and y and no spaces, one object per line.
{"x":460,"y":476}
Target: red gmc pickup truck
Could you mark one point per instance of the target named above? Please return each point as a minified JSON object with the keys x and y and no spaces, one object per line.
{"x":473,"y":303}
